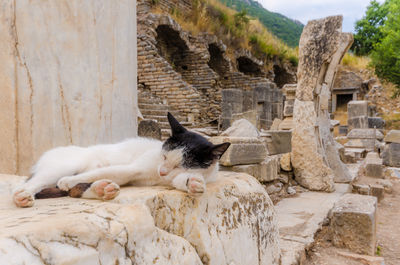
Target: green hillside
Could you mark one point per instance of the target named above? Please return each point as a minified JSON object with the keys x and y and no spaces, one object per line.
{"x":284,"y":28}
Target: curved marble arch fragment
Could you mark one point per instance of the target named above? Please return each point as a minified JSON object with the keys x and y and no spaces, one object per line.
{"x":315,"y":157}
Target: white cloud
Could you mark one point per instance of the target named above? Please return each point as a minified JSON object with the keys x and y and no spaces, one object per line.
{"x":304,"y":10}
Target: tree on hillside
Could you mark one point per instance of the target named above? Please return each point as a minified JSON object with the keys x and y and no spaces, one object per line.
{"x":386,"y":55}
{"x":369,"y":28}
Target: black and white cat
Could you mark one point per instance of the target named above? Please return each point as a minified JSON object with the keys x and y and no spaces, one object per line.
{"x":185,"y":161}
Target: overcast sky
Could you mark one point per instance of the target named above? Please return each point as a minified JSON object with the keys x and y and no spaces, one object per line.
{"x":304,"y":10}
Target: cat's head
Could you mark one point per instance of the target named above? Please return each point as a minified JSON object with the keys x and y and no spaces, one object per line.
{"x":189,"y":150}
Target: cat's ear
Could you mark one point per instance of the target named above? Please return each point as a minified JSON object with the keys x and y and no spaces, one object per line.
{"x":176,"y":127}
{"x":219,"y":149}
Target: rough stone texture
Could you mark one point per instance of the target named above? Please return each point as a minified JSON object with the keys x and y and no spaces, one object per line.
{"x":391,"y":155}
{"x":73,"y":231}
{"x":232,"y":223}
{"x":377,"y":191}
{"x":300,"y":218}
{"x":242,"y":151}
{"x":149,"y":128}
{"x":322,"y":46}
{"x":357,"y":108}
{"x":367,"y":144}
{"x":360,"y":122}
{"x":376,"y":122}
{"x":393,"y":136}
{"x":309,"y":166}
{"x":286,"y":165}
{"x":78,"y":87}
{"x":352,"y":155}
{"x":365,"y":134}
{"x":289,"y":90}
{"x":372,"y":166}
{"x":286,"y":124}
{"x":265,"y":171}
{"x":279,"y":142}
{"x":275,"y":124}
{"x":353,"y":223}
{"x":347,"y":80}
{"x":241,"y":128}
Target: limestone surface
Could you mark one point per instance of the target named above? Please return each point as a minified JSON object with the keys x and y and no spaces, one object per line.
{"x":357,"y":108}
{"x":353,"y":223}
{"x":393,"y":136}
{"x":242,"y":151}
{"x":67,"y":75}
{"x":241,"y":128}
{"x":391,"y":155}
{"x":267,"y":170}
{"x":322,"y":46}
{"x":309,"y":166}
{"x":232,"y":223}
{"x":72,"y":231}
{"x":365,"y":134}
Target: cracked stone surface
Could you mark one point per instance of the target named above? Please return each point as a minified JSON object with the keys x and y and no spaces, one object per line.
{"x":78,"y":87}
{"x":299,"y":219}
{"x":315,"y":157}
{"x":233,"y":223}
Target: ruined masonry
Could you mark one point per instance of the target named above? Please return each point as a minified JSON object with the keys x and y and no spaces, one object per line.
{"x":315,"y":157}
{"x":192,"y":77}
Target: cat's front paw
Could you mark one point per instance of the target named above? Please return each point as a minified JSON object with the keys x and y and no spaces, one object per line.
{"x":196,"y":185}
{"x":105,"y":189}
{"x":66,"y":184}
{"x":23,"y":198}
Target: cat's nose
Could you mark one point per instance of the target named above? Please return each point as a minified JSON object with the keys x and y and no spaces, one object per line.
{"x":163,"y":171}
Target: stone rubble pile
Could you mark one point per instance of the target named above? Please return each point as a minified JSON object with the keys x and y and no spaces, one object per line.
{"x":265,"y":156}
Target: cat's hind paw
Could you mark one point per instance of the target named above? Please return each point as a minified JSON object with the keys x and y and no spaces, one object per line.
{"x":23,"y":198}
{"x":105,"y":189}
{"x":196,"y":185}
{"x":66,"y":184}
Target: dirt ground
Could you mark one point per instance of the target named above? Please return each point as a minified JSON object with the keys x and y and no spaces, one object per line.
{"x":388,"y":236}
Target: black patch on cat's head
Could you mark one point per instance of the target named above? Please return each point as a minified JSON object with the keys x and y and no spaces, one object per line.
{"x":198,"y":152}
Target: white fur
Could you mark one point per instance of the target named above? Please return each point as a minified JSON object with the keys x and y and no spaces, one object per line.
{"x":136,"y":161}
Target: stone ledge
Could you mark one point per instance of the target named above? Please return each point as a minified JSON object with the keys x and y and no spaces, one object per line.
{"x":232,"y":223}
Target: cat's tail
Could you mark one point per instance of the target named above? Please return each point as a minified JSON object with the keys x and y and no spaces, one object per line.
{"x":75,"y":192}
{"x":50,"y":193}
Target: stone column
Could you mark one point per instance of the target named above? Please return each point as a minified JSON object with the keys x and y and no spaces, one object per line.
{"x":67,"y":76}
{"x":314,"y":156}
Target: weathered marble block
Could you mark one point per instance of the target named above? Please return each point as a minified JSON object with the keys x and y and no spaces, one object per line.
{"x":357,"y":108}
{"x":353,"y":223}
{"x":358,"y":122}
{"x":393,"y":136}
{"x":234,"y":222}
{"x":265,"y":171}
{"x":73,"y":231}
{"x":373,"y":166}
{"x":67,"y":75}
{"x":376,"y":122}
{"x":365,"y":134}
{"x":391,"y":155}
{"x":243,"y":150}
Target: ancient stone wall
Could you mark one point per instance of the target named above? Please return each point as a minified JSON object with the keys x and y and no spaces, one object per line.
{"x":193,"y":76}
{"x":67,"y":75}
